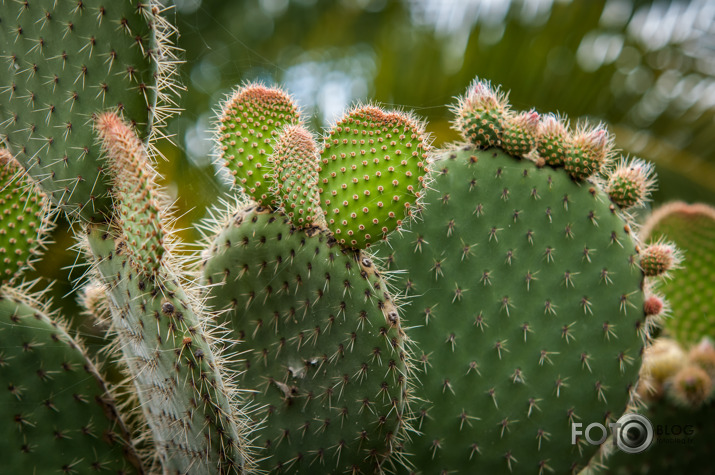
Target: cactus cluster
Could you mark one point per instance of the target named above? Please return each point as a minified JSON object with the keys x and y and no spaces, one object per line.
{"x":362,"y":304}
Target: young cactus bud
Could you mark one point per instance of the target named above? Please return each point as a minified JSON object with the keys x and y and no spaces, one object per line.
{"x":250,"y":121}
{"x":588,"y":151}
{"x":520,"y":133}
{"x":653,"y":306}
{"x":663,"y":359}
{"x":479,"y":114}
{"x":137,"y":199}
{"x":631,"y":183}
{"x":553,"y":140}
{"x":371,"y":173}
{"x":295,"y":177}
{"x":691,"y":387}
{"x":659,"y":258}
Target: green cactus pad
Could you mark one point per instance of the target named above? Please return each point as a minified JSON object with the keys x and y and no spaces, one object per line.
{"x":371,"y":174}
{"x":250,"y":121}
{"x":64,"y":62}
{"x":322,"y":345}
{"x":295,"y":180}
{"x":24,"y":220}
{"x":57,"y":414}
{"x":526,"y":305}
{"x":195,"y":423}
{"x":691,"y":288}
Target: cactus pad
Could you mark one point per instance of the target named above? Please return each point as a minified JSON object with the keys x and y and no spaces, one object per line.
{"x":322,"y":345}
{"x":691,"y":289}
{"x":526,"y":305}
{"x":57,"y":414}
{"x":371,"y":174}
{"x":24,"y":219}
{"x":64,"y":62}
{"x":250,"y":121}
{"x":295,"y":173}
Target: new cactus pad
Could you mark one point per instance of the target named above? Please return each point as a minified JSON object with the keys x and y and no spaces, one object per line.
{"x":251,"y":119}
{"x":57,"y":413}
{"x":371,"y":173}
{"x":691,"y":288}
{"x":64,"y":62}
{"x":321,"y":344}
{"x":24,"y":219}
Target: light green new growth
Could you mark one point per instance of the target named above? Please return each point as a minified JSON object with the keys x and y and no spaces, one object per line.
{"x":251,"y":119}
{"x":371,"y":173}
{"x":25,"y":221}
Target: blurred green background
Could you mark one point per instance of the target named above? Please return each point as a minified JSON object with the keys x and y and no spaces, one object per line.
{"x":646,"y":68}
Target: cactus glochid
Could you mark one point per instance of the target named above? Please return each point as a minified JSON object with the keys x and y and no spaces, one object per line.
{"x":516,"y":298}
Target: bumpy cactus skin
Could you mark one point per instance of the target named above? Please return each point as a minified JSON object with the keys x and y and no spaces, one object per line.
{"x":321,"y":344}
{"x":691,"y":288}
{"x":251,"y":119}
{"x":526,"y":305}
{"x":57,"y":413}
{"x":24,"y":220}
{"x":65,"y":61}
{"x":371,"y":174}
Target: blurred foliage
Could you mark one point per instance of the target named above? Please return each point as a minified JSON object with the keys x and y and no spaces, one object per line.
{"x":645,"y":67}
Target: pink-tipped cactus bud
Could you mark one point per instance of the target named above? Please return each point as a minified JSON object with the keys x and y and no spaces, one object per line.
{"x":653,"y":306}
{"x":631,"y":183}
{"x":588,"y":151}
{"x":553,"y":140}
{"x":659,"y":258}
{"x":663,"y":359}
{"x":520,"y":133}
{"x":691,"y":387}
{"x":703,"y":355}
{"x":479,"y":114}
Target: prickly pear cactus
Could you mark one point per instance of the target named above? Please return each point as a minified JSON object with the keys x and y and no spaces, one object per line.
{"x":371,"y":173}
{"x":58,"y":415}
{"x":526,"y":305}
{"x":24,"y":220}
{"x":691,"y":290}
{"x":66,"y":61}
{"x":322,"y":345}
{"x":188,"y":402}
{"x":251,"y":119}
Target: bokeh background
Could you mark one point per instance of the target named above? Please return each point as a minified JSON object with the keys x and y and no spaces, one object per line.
{"x":646,"y":68}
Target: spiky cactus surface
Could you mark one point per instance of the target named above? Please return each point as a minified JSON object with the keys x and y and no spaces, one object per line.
{"x":526,"y":306}
{"x":64,"y":62}
{"x":322,"y":345}
{"x":58,"y":415}
{"x":691,"y":289}
{"x":528,"y":299}
{"x":25,"y":221}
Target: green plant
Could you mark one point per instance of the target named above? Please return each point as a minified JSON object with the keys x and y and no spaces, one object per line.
{"x":516,"y":301}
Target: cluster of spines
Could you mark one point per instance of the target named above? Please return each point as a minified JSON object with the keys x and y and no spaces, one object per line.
{"x":251,"y":119}
{"x":25,"y":219}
